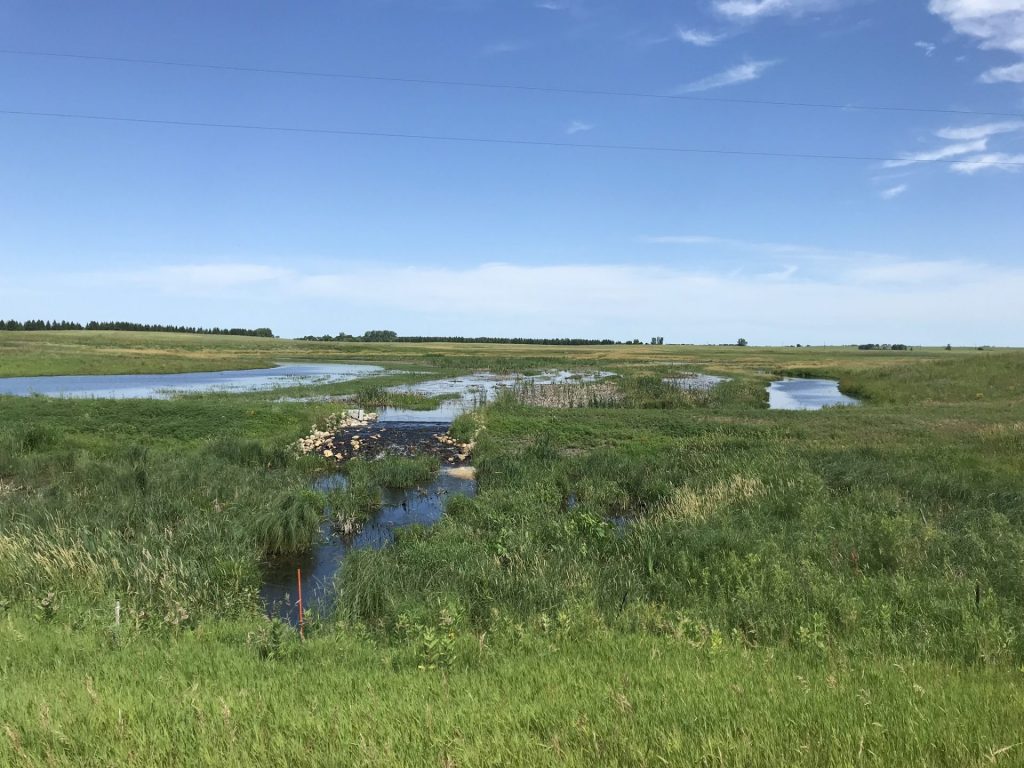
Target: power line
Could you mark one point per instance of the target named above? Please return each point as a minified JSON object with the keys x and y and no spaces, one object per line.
{"x":510,"y":142}
{"x":513,"y":86}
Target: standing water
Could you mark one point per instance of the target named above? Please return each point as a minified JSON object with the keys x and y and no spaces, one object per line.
{"x":165,"y":385}
{"x":806,"y":395}
{"x":471,"y":391}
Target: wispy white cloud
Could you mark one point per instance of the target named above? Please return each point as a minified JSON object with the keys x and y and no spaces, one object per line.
{"x":891,"y":193}
{"x":572,"y":6}
{"x":578,"y":126}
{"x":697,"y":37}
{"x":754,"y":9}
{"x":996,"y":24}
{"x":1014,"y":73}
{"x":928,"y":48}
{"x":998,"y":161}
{"x":983,"y":131}
{"x":742,"y":73}
{"x":971,"y":145}
{"x":942,"y":153}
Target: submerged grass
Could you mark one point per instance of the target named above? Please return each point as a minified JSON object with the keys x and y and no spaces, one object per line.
{"x":376,"y":396}
{"x":679,"y":577}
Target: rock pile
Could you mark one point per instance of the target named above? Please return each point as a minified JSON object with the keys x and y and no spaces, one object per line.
{"x":320,"y":439}
{"x":355,"y":433}
{"x":396,"y":439}
{"x":458,"y":451}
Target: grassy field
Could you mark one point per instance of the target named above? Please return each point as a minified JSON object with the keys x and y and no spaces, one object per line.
{"x":677,"y":578}
{"x":43,"y":353}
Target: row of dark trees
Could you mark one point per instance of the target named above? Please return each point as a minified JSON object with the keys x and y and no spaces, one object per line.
{"x":93,"y":325}
{"x":893,"y":347}
{"x":394,"y":337}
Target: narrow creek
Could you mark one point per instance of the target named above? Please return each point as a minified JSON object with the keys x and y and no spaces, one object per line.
{"x":395,"y":431}
{"x":422,"y":505}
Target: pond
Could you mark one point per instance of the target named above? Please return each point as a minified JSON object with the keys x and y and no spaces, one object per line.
{"x":806,"y":395}
{"x":472,"y":391}
{"x":422,"y":505}
{"x":166,"y":385}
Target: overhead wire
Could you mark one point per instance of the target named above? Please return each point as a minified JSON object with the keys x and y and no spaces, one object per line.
{"x":505,"y":141}
{"x":525,"y":87}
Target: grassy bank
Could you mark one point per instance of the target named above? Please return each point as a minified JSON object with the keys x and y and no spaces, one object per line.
{"x":672,"y":577}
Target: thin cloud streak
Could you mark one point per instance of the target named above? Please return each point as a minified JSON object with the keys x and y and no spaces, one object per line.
{"x":578,"y":126}
{"x":698,"y":38}
{"x":893,"y":192}
{"x":742,"y":73}
{"x":943,"y":153}
{"x":755,"y":9}
{"x":989,"y":161}
{"x":972,"y":145}
{"x":970,"y":132}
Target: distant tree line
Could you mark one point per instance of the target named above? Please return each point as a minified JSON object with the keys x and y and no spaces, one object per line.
{"x":93,"y":325}
{"x":893,"y":347}
{"x":394,"y":337}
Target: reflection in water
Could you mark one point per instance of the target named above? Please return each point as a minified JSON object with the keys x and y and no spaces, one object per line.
{"x":806,"y":395}
{"x":401,"y":508}
{"x":471,"y":391}
{"x":164,"y":385}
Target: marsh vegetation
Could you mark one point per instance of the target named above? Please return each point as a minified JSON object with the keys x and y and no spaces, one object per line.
{"x":670,"y":575}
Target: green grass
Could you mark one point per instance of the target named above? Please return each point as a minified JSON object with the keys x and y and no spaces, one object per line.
{"x":232,"y":694}
{"x":682,"y":577}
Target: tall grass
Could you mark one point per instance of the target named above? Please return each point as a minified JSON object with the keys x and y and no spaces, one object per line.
{"x":864,"y":529}
{"x":242,"y":694}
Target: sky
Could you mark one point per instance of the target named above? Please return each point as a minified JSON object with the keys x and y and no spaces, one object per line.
{"x":916,"y":237}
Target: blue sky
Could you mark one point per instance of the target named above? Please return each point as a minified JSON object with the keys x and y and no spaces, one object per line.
{"x":323,"y":233}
